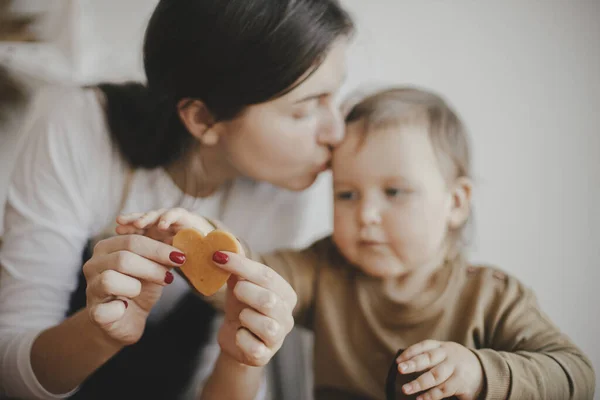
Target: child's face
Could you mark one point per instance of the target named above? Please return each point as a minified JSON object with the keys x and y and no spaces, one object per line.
{"x":392,"y":202}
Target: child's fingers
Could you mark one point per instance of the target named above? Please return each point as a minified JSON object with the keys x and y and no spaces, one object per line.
{"x":149,"y":218}
{"x":129,"y":230}
{"x":126,"y":219}
{"x":423,"y":361}
{"x":170,"y":217}
{"x":430,"y":379}
{"x":444,"y":390}
{"x":418,"y":348}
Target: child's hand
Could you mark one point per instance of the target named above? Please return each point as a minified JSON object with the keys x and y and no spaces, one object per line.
{"x":161,"y":224}
{"x":452,"y":370}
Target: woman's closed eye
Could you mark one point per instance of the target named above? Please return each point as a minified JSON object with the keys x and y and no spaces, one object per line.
{"x":306,"y":109}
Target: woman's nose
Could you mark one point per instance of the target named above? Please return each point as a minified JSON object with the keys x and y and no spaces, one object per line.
{"x":332,"y":130}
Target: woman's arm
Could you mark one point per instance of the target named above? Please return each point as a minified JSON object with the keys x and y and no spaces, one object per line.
{"x":65,"y":355}
{"x":47,"y":223}
{"x":233,"y":380}
{"x":61,"y":187}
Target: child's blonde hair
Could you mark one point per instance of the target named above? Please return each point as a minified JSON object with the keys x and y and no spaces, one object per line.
{"x":395,"y":107}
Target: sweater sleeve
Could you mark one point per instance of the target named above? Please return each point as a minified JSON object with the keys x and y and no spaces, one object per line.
{"x":57,"y":181}
{"x":527,"y":356}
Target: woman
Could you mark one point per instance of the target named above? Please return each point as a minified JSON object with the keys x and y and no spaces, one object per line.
{"x":238,"y":112}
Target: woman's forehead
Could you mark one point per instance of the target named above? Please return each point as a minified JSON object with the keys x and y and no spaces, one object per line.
{"x":326,"y":79}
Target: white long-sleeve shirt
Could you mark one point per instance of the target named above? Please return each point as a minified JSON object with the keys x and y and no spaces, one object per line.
{"x":67,"y":186}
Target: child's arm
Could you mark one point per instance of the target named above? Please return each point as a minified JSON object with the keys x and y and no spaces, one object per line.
{"x":531,"y":357}
{"x":523,"y":354}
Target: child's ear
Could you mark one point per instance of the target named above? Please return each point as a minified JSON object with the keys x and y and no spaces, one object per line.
{"x":199,"y":121}
{"x":461,"y":202}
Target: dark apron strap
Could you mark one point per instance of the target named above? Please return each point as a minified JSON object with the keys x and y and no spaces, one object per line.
{"x":162,"y":364}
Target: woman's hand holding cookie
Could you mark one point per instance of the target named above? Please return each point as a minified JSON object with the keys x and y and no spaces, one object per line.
{"x":259,"y":302}
{"x":258,"y":310}
{"x":125,"y":278}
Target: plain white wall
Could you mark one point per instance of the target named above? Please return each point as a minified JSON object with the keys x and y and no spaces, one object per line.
{"x":525,"y":76}
{"x":85,"y":41}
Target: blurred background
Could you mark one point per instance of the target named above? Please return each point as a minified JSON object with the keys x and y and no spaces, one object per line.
{"x":524,"y":75}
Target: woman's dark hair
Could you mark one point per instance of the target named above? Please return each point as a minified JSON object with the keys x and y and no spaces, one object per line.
{"x":228,"y":54}
{"x":12,"y":94}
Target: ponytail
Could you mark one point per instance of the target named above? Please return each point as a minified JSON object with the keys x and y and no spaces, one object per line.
{"x":144,"y":126}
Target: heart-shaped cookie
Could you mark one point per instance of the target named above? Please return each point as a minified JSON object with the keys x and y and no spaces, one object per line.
{"x":199,"y":269}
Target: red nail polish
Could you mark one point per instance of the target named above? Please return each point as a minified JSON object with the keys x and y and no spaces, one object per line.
{"x":220,"y":258}
{"x":169,"y":278}
{"x":177,"y":257}
{"x":126,"y":303}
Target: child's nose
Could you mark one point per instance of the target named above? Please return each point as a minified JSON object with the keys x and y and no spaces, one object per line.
{"x":370,"y":214}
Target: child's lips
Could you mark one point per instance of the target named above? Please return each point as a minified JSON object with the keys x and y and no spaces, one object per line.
{"x":371,"y":243}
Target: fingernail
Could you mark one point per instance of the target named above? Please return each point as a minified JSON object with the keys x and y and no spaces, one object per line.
{"x":403,"y":366}
{"x":177,"y":257}
{"x":126,"y":303}
{"x":169,"y":278}
{"x":407,"y":388}
{"x":220,"y":258}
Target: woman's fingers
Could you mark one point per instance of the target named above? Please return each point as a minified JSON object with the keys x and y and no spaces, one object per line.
{"x":243,"y":346}
{"x":108,"y":313}
{"x":148,"y":248}
{"x":265,"y":302}
{"x":253,"y":350}
{"x":268,"y":330}
{"x":111,"y":283}
{"x":258,"y":274}
{"x":129,"y":264}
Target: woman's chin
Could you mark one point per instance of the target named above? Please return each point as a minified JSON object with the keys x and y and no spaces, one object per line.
{"x":298,"y":184}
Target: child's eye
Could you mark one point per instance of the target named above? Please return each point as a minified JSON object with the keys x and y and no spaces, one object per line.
{"x":395,"y":192}
{"x":345,"y":195}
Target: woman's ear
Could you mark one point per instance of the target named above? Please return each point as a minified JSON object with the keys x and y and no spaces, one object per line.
{"x":198,"y":120}
{"x":461,"y":202}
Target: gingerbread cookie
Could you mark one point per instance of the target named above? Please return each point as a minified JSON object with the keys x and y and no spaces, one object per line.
{"x":199,"y":269}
